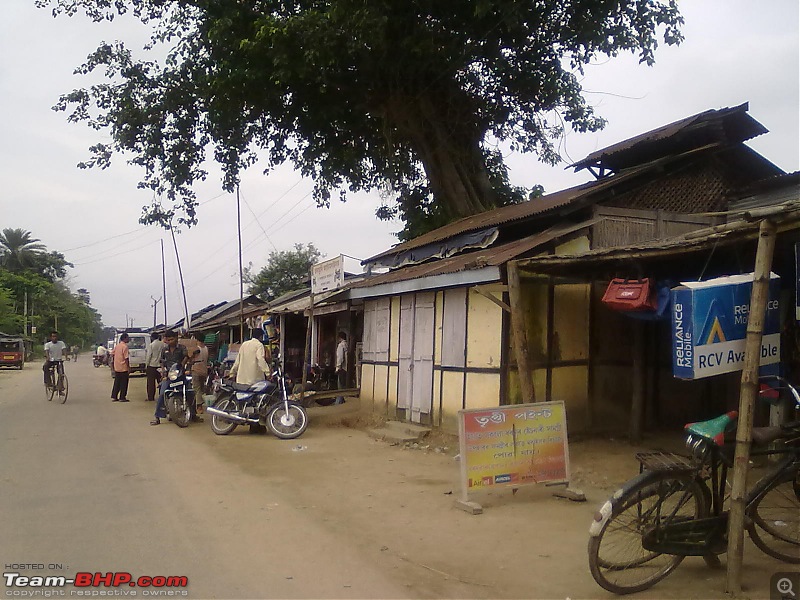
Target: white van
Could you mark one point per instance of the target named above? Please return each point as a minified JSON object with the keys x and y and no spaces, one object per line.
{"x":137,"y":349}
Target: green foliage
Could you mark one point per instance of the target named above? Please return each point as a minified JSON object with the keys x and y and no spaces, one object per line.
{"x":31,"y":275}
{"x":398,"y":95}
{"x":285,"y":271}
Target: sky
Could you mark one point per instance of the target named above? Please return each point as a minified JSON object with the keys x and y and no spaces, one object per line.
{"x":735,"y":51}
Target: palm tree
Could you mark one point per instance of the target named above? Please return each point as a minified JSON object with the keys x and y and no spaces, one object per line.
{"x":18,"y":250}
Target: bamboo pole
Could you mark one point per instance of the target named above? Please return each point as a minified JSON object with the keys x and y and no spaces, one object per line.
{"x":747,"y":398}
{"x":520,"y":335}
{"x":307,"y":349}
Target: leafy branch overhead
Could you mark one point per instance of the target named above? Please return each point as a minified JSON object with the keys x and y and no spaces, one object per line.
{"x":404,"y":96}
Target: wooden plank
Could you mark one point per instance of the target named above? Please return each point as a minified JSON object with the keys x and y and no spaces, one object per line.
{"x":494,"y":299}
{"x":519,"y":333}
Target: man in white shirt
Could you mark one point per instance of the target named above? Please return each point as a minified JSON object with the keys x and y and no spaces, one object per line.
{"x":341,"y":365}
{"x":152,"y":363}
{"x":53,"y":353}
{"x":250,"y":365}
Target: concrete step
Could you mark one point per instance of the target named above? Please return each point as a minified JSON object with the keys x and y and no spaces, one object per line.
{"x":399,"y":432}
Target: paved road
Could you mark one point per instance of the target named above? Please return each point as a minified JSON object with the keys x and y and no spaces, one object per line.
{"x":90,"y":486}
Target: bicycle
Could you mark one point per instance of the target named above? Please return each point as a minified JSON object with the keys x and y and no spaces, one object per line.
{"x":675,"y":507}
{"x":61,"y":386}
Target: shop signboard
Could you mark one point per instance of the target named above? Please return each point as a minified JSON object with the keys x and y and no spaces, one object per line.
{"x":709,"y":326}
{"x":327,"y":275}
{"x":513,"y":446}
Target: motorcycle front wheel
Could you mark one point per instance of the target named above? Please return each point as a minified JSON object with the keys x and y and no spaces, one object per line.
{"x":178,"y":411}
{"x":219,"y":425}
{"x":287,"y":424}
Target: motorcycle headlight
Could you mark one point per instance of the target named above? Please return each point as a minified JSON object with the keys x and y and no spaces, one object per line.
{"x":174,"y":373}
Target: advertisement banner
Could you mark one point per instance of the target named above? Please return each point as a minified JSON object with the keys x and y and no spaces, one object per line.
{"x":709,"y":326}
{"x":513,"y":445}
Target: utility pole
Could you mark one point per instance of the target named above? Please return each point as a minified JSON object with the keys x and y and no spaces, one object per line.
{"x":241,"y":273}
{"x":164,"y":284}
{"x":155,"y":304}
{"x":186,"y":323}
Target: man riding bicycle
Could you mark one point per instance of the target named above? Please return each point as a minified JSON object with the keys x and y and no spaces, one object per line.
{"x":53,"y":354}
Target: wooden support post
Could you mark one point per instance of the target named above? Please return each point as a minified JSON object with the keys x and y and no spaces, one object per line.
{"x":307,"y":350}
{"x":519,"y":333}
{"x":638,"y":387}
{"x":747,"y":398}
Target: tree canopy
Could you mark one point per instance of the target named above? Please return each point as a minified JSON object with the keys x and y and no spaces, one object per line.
{"x":33,"y":282}
{"x":285,"y":271}
{"x":409,"y":97}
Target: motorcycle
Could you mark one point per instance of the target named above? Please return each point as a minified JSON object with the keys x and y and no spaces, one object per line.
{"x":179,"y":395}
{"x":98,"y":360}
{"x":262,"y":403}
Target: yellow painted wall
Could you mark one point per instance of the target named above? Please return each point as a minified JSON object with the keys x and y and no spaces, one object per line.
{"x":484,"y":332}
{"x":394,"y":335}
{"x":570,"y":384}
{"x":571,"y":322}
{"x":380,"y":387}
{"x":452,"y":398}
{"x":513,"y":392}
{"x":367,"y":378}
{"x":436,"y":412}
{"x":392,"y":404}
{"x":483,"y":390}
{"x":535,"y":298}
{"x":576,"y":246}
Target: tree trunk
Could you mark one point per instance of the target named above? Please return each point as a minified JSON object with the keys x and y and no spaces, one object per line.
{"x":447,"y":143}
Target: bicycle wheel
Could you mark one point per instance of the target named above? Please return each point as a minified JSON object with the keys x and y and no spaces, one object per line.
{"x":63,"y":387}
{"x":617,"y":560}
{"x":775,"y":516}
{"x":49,"y":392}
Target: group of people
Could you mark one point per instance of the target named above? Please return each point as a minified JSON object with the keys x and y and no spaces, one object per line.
{"x":161,"y":356}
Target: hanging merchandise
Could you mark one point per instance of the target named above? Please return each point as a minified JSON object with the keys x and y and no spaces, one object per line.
{"x":631,"y":295}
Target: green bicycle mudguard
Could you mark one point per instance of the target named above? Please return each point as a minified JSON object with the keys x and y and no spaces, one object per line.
{"x":713,"y":429}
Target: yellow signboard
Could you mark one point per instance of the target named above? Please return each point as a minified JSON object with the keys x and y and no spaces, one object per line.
{"x":513,"y":445}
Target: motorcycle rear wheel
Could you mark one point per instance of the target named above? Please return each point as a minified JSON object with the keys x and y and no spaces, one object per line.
{"x":287,"y":425}
{"x":219,"y":425}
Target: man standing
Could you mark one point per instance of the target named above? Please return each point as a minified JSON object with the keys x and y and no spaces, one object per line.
{"x":172,"y":354}
{"x":199,"y":372}
{"x":53,"y":353}
{"x":122,"y":368}
{"x":152,"y":362}
{"x":250,"y":365}
{"x":341,"y":365}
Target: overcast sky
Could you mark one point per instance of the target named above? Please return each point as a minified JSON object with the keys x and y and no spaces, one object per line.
{"x":735,"y":51}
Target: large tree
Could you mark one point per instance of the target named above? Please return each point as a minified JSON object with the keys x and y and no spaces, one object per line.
{"x":406,"y":96}
{"x":285,"y":271}
{"x":19,"y":250}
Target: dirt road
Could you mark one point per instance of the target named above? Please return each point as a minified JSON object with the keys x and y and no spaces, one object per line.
{"x":90,"y":486}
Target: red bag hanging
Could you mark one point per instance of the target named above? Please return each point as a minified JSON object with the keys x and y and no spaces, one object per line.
{"x":630,"y":295}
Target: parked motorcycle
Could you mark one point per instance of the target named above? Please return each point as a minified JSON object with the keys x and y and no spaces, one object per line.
{"x":179,"y":395}
{"x":98,"y":360}
{"x":262,"y":403}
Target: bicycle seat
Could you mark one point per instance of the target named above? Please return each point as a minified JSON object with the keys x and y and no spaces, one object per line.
{"x":713,"y":429}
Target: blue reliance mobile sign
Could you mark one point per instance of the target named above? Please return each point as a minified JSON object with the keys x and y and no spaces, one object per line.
{"x":709,"y":326}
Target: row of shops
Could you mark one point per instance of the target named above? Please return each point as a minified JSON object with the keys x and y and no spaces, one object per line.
{"x":452,"y":319}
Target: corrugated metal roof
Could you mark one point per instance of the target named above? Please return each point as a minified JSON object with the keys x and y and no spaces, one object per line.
{"x":488,"y":257}
{"x":732,"y":124}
